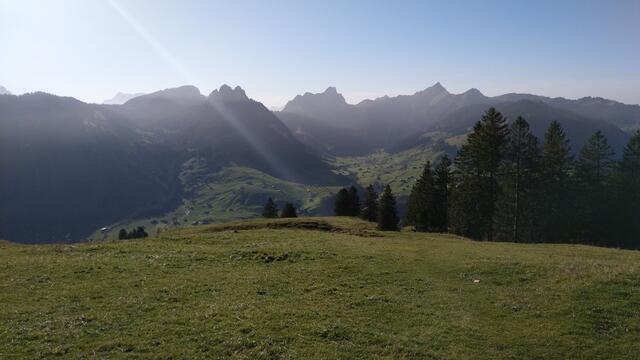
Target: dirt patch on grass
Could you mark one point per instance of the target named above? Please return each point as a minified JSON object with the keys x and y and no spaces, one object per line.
{"x":260,"y":256}
{"x":357,"y":228}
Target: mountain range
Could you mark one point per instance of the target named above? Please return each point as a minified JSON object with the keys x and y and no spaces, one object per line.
{"x":329,"y":124}
{"x":71,"y":167}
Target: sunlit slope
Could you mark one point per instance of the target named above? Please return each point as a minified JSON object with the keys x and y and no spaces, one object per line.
{"x":317,"y":288}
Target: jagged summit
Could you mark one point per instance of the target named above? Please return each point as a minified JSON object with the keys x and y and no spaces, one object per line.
{"x":435,"y":90}
{"x":331,"y":90}
{"x":227,"y":94}
{"x":330,"y":98}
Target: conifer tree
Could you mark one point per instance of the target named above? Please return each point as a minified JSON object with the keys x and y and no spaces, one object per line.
{"x":517,"y":207}
{"x":122,"y":234}
{"x":388,"y":216}
{"x":594,"y":169}
{"x":629,"y":193}
{"x":342,"y":206}
{"x":370,"y":206}
{"x":557,"y":164}
{"x":288,"y":211}
{"x":354,"y":201}
{"x":465,"y":216}
{"x":420,"y":205}
{"x":270,"y":209}
{"x":478,"y":163}
{"x":442,"y":183}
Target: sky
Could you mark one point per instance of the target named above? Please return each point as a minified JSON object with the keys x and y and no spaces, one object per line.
{"x":92,"y":49}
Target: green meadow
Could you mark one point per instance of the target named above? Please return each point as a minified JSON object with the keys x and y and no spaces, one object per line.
{"x":317,"y":288}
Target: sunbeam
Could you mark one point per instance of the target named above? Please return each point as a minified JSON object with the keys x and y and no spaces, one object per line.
{"x":153,"y":42}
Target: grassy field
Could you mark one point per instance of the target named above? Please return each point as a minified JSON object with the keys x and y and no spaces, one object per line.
{"x":320,"y":288}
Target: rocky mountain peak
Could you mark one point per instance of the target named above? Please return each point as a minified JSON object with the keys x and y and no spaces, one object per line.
{"x":227,"y":94}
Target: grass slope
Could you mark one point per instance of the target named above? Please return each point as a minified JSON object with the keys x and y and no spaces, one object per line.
{"x":399,"y":170}
{"x":231,"y":193}
{"x":317,"y":288}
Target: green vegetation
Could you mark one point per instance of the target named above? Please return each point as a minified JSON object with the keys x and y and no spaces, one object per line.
{"x":231,"y":193}
{"x":317,"y":288}
{"x":399,"y":170}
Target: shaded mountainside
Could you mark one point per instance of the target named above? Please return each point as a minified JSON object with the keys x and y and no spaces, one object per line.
{"x":70,"y":167}
{"x":539,"y":115}
{"x":318,"y":288}
{"x":624,"y":116}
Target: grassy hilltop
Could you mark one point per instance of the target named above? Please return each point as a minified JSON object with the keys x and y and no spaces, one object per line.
{"x":317,"y":288}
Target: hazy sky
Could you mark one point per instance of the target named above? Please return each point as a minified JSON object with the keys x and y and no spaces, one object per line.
{"x":91,"y":49}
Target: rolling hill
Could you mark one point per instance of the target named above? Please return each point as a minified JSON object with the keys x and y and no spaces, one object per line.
{"x":317,"y":288}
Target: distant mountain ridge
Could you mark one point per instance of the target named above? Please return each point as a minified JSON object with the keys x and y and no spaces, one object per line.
{"x":386,"y":122}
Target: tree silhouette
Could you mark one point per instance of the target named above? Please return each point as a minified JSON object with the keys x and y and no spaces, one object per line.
{"x":370,"y":205}
{"x":388,"y":216}
{"x":354,"y":200}
{"x":270,"y":209}
{"x":288,"y":211}
{"x":342,"y":206}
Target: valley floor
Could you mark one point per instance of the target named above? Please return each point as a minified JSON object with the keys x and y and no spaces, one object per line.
{"x":317,"y":288}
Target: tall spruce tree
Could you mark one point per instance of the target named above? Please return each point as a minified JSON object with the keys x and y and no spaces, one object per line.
{"x":270,"y":209}
{"x":442,"y":178}
{"x":518,"y":209}
{"x":557,"y":163}
{"x":288,"y":211}
{"x":420,"y":205}
{"x":629,"y":194}
{"x":387,"y":213}
{"x":478,"y":163}
{"x":354,"y":201}
{"x":342,"y":206}
{"x":594,"y":174}
{"x":465,"y":198}
{"x":370,"y":206}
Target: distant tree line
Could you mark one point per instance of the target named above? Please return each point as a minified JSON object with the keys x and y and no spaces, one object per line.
{"x":136,"y":233}
{"x":504,"y":185}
